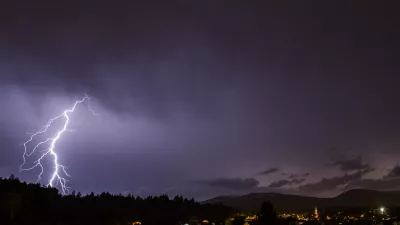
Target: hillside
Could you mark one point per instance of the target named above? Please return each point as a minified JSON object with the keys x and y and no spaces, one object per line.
{"x":356,"y":198}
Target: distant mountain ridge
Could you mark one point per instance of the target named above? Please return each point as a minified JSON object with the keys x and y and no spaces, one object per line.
{"x":356,"y":198}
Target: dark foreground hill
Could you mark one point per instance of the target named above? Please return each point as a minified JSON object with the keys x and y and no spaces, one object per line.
{"x":357,"y":198}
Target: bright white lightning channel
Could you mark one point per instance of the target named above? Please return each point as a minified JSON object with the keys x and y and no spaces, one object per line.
{"x":59,"y":173}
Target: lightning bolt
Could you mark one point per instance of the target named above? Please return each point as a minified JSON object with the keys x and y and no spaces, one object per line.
{"x":59,"y":173}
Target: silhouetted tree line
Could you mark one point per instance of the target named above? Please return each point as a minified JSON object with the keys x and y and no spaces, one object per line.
{"x":22,"y":203}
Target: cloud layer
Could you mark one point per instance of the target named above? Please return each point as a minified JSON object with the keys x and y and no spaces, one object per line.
{"x":232,"y":183}
{"x":347,"y":165}
{"x":269,"y":171}
{"x":202,"y":90}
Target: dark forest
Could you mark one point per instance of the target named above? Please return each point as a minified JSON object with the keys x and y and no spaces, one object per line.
{"x":23,"y":203}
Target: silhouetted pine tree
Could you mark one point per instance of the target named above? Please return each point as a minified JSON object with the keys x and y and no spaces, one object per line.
{"x":22,"y":203}
{"x":267,"y":214}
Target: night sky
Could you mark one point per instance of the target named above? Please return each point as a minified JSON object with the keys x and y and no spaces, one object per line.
{"x":206,"y":98}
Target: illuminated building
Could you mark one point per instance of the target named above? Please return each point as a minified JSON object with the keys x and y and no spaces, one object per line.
{"x":328,"y":218}
{"x":316,"y":215}
{"x":251,"y":218}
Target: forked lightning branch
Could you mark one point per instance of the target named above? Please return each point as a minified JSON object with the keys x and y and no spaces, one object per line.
{"x":59,"y":173}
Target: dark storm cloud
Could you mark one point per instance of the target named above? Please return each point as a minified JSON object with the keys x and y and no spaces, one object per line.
{"x":394,"y":172}
{"x":376,"y":184}
{"x":347,"y":165}
{"x":269,"y":171}
{"x":326,"y":184}
{"x":296,"y":175}
{"x":195,"y":90}
{"x":232,"y":183}
{"x":390,"y":181}
{"x":330,"y":183}
{"x":281,"y":183}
